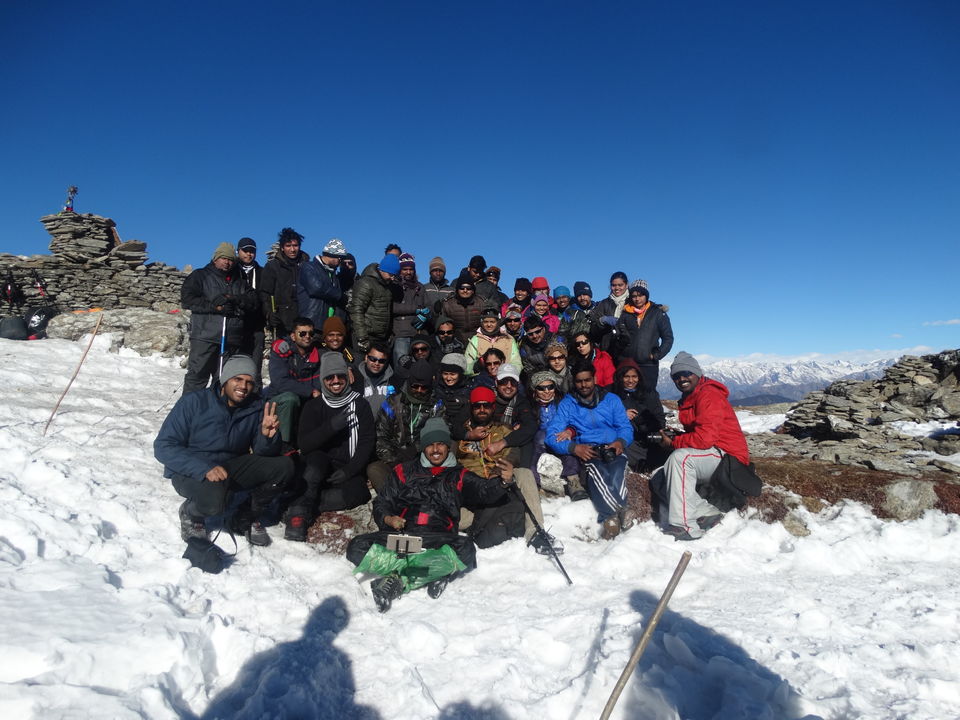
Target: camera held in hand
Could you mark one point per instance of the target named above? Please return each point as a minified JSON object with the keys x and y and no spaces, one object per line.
{"x":655,"y":438}
{"x":604,"y":453}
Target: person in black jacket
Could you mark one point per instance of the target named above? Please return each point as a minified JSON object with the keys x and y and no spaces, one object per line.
{"x":646,"y":415}
{"x":280,"y":283}
{"x":336,"y":437}
{"x":644,"y":334}
{"x":423,"y":497}
{"x":319,"y":291}
{"x":219,"y":302}
{"x":254,"y":321}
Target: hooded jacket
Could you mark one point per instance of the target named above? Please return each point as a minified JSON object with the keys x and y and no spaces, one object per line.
{"x":370,"y":306}
{"x":318,"y":292}
{"x":709,"y":421}
{"x":641,"y":337}
{"x":208,"y":288}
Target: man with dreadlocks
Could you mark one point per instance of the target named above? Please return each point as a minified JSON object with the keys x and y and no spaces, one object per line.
{"x":336,"y":438}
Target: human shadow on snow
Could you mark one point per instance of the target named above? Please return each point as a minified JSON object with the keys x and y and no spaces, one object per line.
{"x":304,"y":678}
{"x":693,"y":672}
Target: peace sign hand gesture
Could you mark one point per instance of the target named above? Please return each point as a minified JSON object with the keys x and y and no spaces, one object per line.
{"x":271,"y":423}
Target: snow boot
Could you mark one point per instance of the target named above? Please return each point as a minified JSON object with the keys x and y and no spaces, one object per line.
{"x":678,"y":533}
{"x":385,"y":590}
{"x":627,"y":517}
{"x":296,"y":529}
{"x":708,"y":521}
{"x":257,"y":535}
{"x":191,"y":526}
{"x":611,"y":528}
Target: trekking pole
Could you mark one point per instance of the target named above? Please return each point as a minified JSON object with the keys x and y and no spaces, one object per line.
{"x":647,"y":634}
{"x":75,"y":373}
{"x":541,"y":532}
{"x":10,"y":289}
{"x":223,"y":346}
{"x":39,"y":284}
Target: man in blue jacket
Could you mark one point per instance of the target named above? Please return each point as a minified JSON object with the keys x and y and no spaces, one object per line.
{"x":592,"y":424}
{"x":205,"y":447}
{"x":319,"y":294}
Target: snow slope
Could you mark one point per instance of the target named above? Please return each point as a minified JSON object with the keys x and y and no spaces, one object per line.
{"x":102,"y":618}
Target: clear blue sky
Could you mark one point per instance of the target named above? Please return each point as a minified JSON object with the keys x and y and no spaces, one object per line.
{"x":786,"y":176}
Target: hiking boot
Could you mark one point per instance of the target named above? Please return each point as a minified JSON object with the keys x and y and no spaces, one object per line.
{"x":296,"y":529}
{"x":611,"y":528}
{"x":708,"y":521}
{"x":436,"y":588}
{"x":542,"y":542}
{"x":627,"y":517}
{"x":385,"y":590}
{"x":191,"y":526}
{"x":678,"y":533}
{"x":575,"y":489}
{"x":578,"y":495}
{"x":257,"y":535}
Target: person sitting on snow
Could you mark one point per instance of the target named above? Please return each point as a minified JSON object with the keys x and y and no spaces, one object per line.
{"x":711,"y":429}
{"x":423,"y":497}
{"x":205,"y":448}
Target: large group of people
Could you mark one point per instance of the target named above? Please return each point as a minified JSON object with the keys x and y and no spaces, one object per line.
{"x":446,"y":401}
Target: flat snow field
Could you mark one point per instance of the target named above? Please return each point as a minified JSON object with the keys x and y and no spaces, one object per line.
{"x":101,"y":617}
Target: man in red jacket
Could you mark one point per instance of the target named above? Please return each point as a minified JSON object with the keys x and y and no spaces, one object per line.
{"x":710,"y":429}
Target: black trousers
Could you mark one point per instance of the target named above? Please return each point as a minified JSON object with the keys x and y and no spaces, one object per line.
{"x":264,"y":477}
{"x":462,"y":545}
{"x":323,"y":496}
{"x":203,"y":363}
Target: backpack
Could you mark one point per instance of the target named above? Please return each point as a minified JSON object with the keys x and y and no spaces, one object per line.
{"x":731,"y":483}
{"x":13,"y":328}
{"x":498,"y":523}
{"x":36,"y":320}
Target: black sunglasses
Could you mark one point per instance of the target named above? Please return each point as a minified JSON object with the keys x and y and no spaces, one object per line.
{"x":306,"y":333}
{"x":419,"y":387}
{"x":581,"y":343}
{"x":483,"y":404}
{"x":336,"y":376}
{"x":421,"y":349}
{"x":444,"y":333}
{"x":544,"y":388}
{"x":376,"y":360}
{"x":555,"y":357}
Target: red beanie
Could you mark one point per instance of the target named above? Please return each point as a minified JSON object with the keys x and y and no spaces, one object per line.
{"x":482,"y":394}
{"x":539,"y":283}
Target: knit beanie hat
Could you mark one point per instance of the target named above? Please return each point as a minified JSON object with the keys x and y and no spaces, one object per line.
{"x":477,"y":262}
{"x":513,"y":313}
{"x":224,"y":250}
{"x":522,"y":283}
{"x":556,"y":347}
{"x":438,"y":262}
{"x":421,"y":373}
{"x":542,"y":376}
{"x":482,"y":393}
{"x":541,"y":298}
{"x":434,"y":430}
{"x":334,"y":248}
{"x":238,"y":365}
{"x":332,"y":363}
{"x":407,"y":260}
{"x":582,"y":288}
{"x":390,"y":264}
{"x":454,"y":361}
{"x":465,"y":279}
{"x":334,"y":324}
{"x":639,"y":285}
{"x":490,"y":312}
{"x":247,"y":244}
{"x":494,"y":270}
{"x":540,"y":283}
{"x":685,"y":362}
{"x":561,"y":290}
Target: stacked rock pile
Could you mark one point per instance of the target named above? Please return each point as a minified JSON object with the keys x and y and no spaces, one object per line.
{"x":85,"y":237}
{"x":858,"y":423}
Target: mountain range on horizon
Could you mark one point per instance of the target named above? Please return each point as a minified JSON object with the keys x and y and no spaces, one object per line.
{"x":764,"y":382}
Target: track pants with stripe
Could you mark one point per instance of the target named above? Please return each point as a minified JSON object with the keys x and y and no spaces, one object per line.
{"x":676,"y":484}
{"x":607,"y":485}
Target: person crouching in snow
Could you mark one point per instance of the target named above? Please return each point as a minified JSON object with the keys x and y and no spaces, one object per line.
{"x":423,"y":497}
{"x":711,"y":429}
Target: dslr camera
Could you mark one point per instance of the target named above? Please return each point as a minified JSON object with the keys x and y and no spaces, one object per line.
{"x":604,"y":453}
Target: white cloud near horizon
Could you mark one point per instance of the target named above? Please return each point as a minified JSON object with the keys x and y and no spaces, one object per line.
{"x":855,"y":356}
{"x":937,"y":323}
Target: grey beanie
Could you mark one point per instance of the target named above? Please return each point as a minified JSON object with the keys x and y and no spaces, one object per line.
{"x":457,"y":360}
{"x":238,"y":365}
{"x":685,"y":362}
{"x":434,"y":430}
{"x":334,"y":248}
{"x":332,"y":363}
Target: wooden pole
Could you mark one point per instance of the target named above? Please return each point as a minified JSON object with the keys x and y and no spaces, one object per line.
{"x":75,"y":373}
{"x":647,"y":634}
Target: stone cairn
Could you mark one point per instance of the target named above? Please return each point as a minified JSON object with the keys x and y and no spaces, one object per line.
{"x":853,"y":422}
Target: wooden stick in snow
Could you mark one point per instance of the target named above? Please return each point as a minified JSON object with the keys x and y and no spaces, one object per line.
{"x":75,"y":373}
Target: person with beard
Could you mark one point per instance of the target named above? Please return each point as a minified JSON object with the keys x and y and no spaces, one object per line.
{"x":533,"y":347}
{"x":372,"y":301}
{"x":645,"y":334}
{"x":487,"y":292}
{"x":336,"y":436}
{"x":255,"y":321}
{"x":581,"y":347}
{"x":592,"y":424}
{"x":451,"y":386}
{"x":401,"y":417}
{"x":645,"y":413}
{"x":409,"y":306}
{"x":220,"y":441}
{"x":464,"y":308}
{"x":294,"y":368}
{"x":319,"y":295}
{"x":437,"y":289}
{"x":445,"y":340}
{"x":424,"y":497}
{"x":489,"y":335}
{"x":578,"y":316}
{"x":545,"y":396}
{"x":522,"y":290}
{"x":376,"y":375}
{"x":556,"y":355}
{"x":219,"y":301}
{"x":710,"y":431}
{"x":420,"y":349}
{"x":279,"y":287}
{"x":333,"y":338}
{"x":606,"y":313}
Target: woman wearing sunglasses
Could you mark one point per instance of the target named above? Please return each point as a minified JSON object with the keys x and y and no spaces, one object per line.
{"x":582,"y":347}
{"x":545,"y":395}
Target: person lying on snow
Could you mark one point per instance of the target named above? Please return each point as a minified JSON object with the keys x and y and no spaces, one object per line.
{"x":423,"y":497}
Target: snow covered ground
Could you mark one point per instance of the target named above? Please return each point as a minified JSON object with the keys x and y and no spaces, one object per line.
{"x":101,"y":617}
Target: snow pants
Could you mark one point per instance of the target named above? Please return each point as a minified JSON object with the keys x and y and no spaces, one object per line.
{"x":527,"y":485}
{"x":607,"y":485}
{"x":676,"y":485}
{"x":264,"y":477}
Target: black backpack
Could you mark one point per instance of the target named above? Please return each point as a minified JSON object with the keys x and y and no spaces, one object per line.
{"x":730,"y":485}
{"x":13,"y":328}
{"x":36,"y":320}
{"x":498,"y":523}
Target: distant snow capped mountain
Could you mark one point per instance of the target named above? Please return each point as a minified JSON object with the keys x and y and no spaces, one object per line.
{"x":756,"y":382}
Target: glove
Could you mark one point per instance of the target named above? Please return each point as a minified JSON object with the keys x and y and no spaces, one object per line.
{"x":405,"y":361}
{"x":337,"y":477}
{"x":609,"y":320}
{"x":363,"y":346}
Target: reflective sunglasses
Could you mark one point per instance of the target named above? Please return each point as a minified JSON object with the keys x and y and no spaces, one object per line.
{"x":545,"y":388}
{"x":376,"y":360}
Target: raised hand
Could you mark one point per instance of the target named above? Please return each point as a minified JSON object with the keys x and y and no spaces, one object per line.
{"x":271,"y":423}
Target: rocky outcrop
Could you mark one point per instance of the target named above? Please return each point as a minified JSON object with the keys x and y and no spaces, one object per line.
{"x":139,"y":329}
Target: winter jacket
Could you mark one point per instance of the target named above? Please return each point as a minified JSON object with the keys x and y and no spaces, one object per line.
{"x":517,"y":414}
{"x":436,"y":293}
{"x":454,"y":398}
{"x":651,"y":335}
{"x":602,"y":366}
{"x":600,"y":423}
{"x":481,"y":342}
{"x":399,"y":423}
{"x":533,"y":356}
{"x":576,"y":320}
{"x":370,"y":307}
{"x":376,"y":389}
{"x":709,"y":421}
{"x":202,"y":431}
{"x":649,"y":418}
{"x":321,"y":429}
{"x":430,"y":498}
{"x":604,"y":335}
{"x":408,"y":299}
{"x":551,"y":321}
{"x":472,"y":454}
{"x":253,"y":278}
{"x":319,"y":292}
{"x":292,"y":372}
{"x":206,"y":289}
{"x":279,"y":287}
{"x":465,"y":318}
